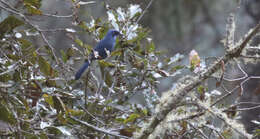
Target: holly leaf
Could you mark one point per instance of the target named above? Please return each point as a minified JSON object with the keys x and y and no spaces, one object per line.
{"x":9,"y":24}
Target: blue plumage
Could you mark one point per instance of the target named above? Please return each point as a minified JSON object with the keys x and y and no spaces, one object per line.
{"x":105,"y":46}
{"x":81,"y":70}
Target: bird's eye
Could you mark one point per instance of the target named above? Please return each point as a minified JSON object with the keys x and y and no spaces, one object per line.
{"x":115,"y":33}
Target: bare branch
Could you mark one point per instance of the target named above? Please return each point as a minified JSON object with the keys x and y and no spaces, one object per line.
{"x":147,"y":7}
{"x":99,"y":129}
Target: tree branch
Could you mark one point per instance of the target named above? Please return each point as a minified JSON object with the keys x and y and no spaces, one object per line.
{"x":98,"y":129}
{"x":185,"y":85}
{"x":10,"y":9}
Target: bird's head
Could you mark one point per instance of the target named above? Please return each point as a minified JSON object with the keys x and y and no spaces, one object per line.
{"x":113,"y":33}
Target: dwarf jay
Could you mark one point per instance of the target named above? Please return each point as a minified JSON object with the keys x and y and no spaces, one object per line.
{"x":101,"y":50}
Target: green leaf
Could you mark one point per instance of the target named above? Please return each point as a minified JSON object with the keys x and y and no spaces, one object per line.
{"x":45,"y":67}
{"x":88,"y":49}
{"x":49,"y":52}
{"x":33,"y":10}
{"x":53,"y":130}
{"x":116,"y":53}
{"x":83,"y":25}
{"x":201,"y":89}
{"x":9,"y":24}
{"x":28,"y":50}
{"x":27,"y":47}
{"x":70,"y":52}
{"x":13,"y":57}
{"x":76,"y":112}
{"x":63,"y":56}
{"x":5,"y":114}
{"x":137,"y":48}
{"x":106,"y":64}
{"x":59,"y":106}
{"x":35,"y":3}
{"x":62,"y":118}
{"x":79,"y":42}
{"x":131,"y":118}
{"x":33,"y":6}
{"x":33,"y":58}
{"x":142,"y":33}
{"x":108,"y":80}
{"x":102,"y":32}
{"x":25,"y":103}
{"x":29,"y":135}
{"x":151,"y":47}
{"x":257,"y":132}
{"x":25,"y":125}
{"x":120,"y":120}
{"x":42,"y":136}
{"x":145,"y":112}
{"x":48,"y":99}
{"x":5,"y":78}
{"x":16,"y":76}
{"x":175,"y":68}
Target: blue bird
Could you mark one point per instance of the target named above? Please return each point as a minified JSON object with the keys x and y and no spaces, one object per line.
{"x":102,"y":49}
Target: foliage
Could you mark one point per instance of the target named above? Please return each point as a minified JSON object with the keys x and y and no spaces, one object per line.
{"x":40,"y":99}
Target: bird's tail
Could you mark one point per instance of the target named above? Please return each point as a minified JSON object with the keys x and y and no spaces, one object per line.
{"x":81,"y":70}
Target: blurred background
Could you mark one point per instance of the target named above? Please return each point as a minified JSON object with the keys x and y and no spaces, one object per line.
{"x":177,"y":26}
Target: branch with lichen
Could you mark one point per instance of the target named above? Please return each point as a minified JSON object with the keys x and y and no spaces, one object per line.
{"x":184,"y":86}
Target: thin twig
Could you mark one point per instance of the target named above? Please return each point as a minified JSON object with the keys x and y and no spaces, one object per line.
{"x":199,"y":130}
{"x":242,"y":109}
{"x":91,"y":115}
{"x":43,"y":14}
{"x":144,"y":11}
{"x":223,"y":117}
{"x":98,"y":129}
{"x":215,"y":130}
{"x":240,"y":78}
{"x":140,"y":17}
{"x":15,"y":66}
{"x":234,"y":89}
{"x":34,"y":26}
{"x":58,"y":16}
